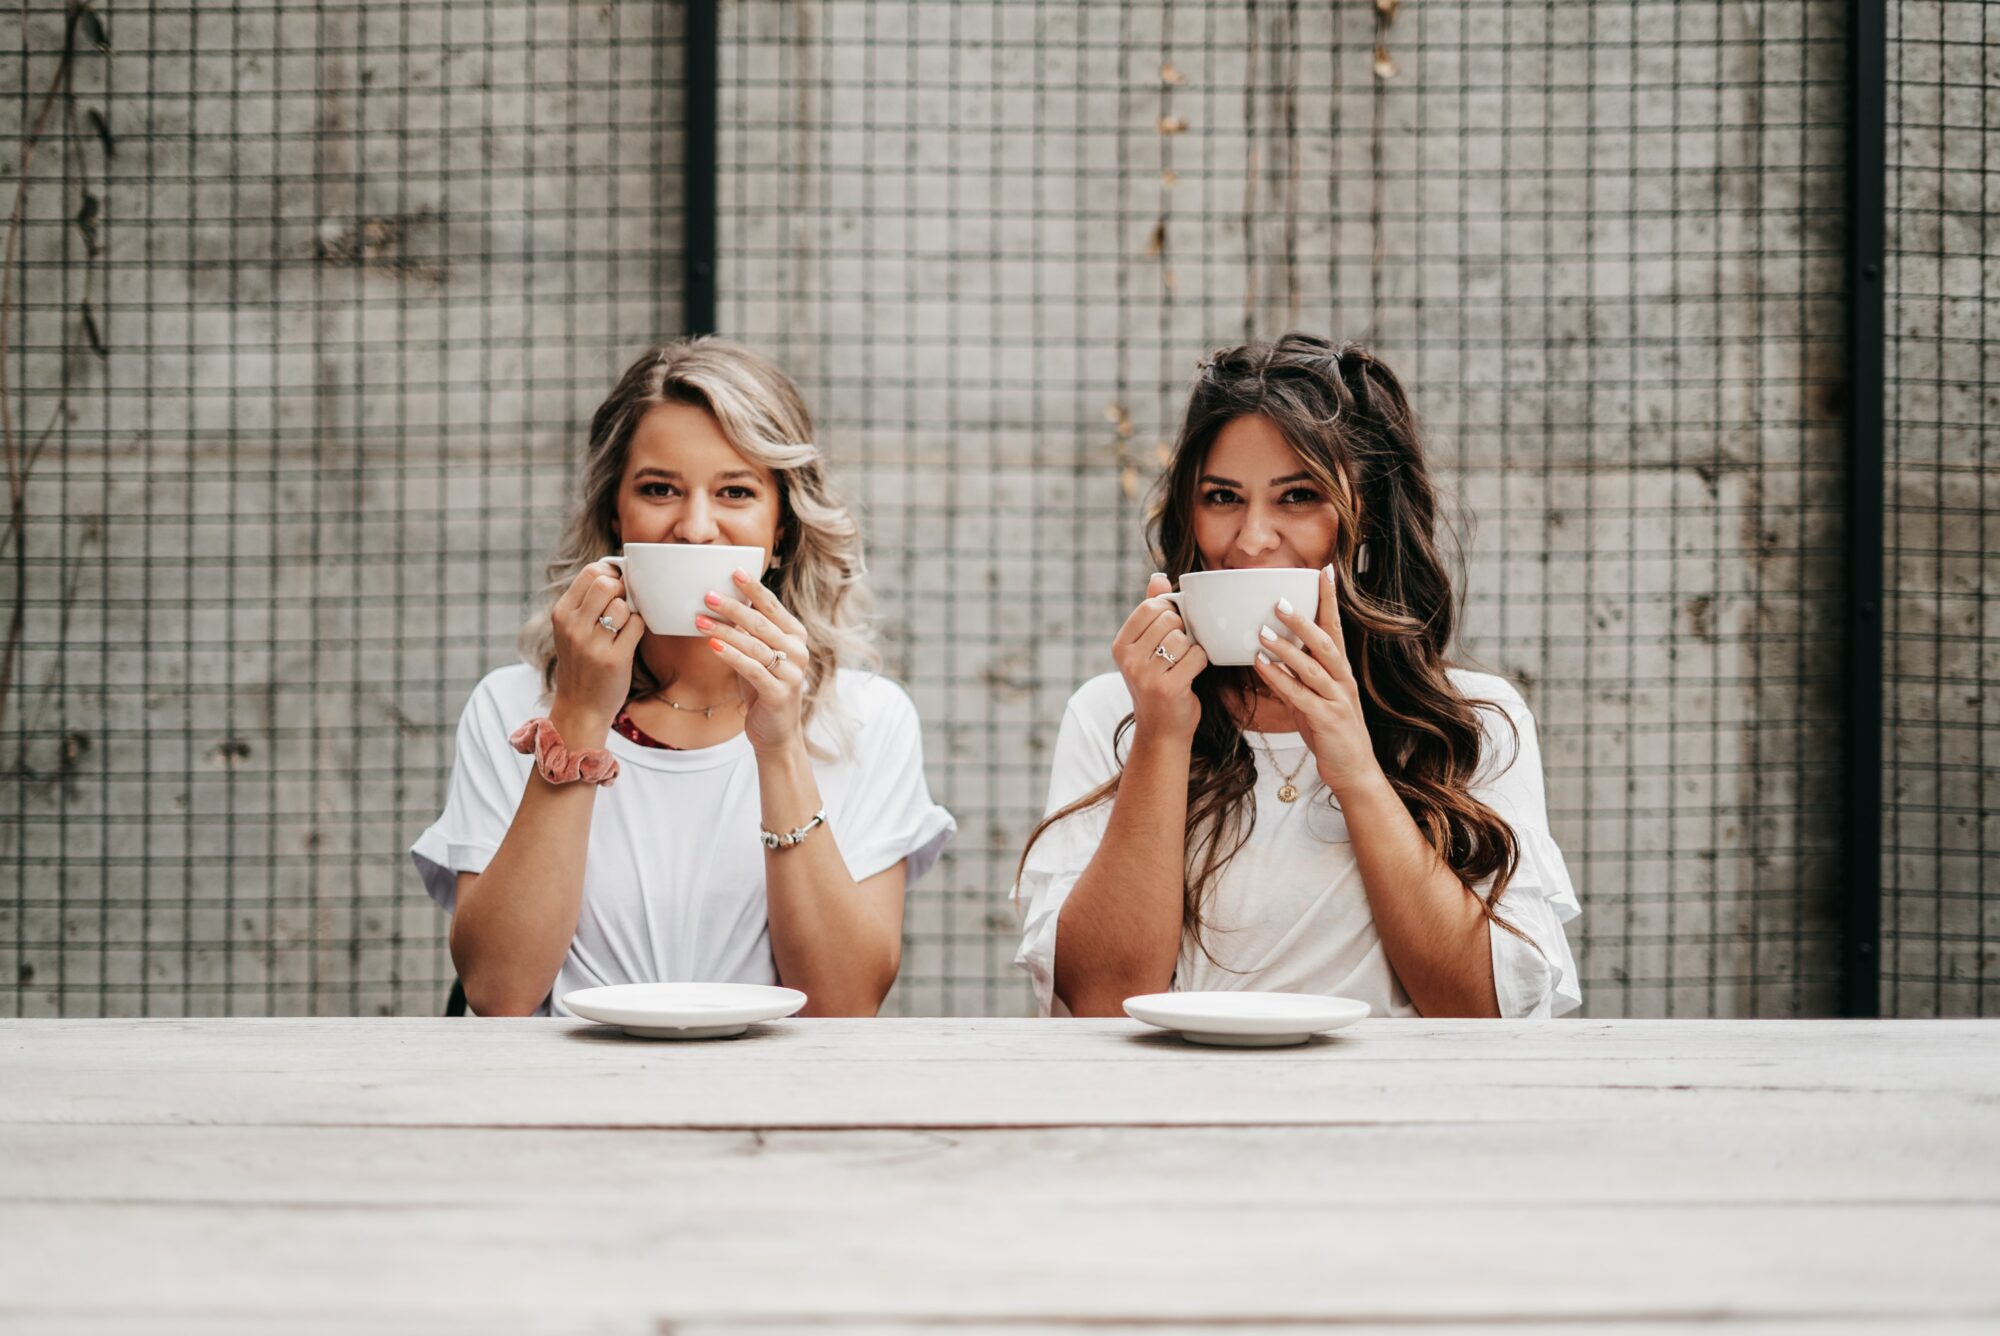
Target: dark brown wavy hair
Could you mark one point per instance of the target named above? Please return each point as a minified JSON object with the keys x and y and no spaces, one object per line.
{"x":1346,"y":415}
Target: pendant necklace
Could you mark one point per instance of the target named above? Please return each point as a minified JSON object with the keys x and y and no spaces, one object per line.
{"x":1288,"y":792}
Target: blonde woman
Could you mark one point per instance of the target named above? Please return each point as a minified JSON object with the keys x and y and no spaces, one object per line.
{"x":610,"y":801}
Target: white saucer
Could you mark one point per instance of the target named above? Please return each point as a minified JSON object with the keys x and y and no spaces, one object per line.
{"x":1246,"y":1020}
{"x":684,"y":1010}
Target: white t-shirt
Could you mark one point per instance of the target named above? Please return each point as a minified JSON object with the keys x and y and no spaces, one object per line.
{"x":1289,"y":913}
{"x":673,"y":881}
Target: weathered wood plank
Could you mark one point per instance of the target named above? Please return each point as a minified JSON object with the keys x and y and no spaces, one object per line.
{"x":678,"y":1256}
{"x":982,"y":1073}
{"x":1393,"y":1168}
{"x":481,"y":1323}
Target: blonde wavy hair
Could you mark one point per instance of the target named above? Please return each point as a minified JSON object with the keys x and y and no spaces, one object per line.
{"x":817,"y":569}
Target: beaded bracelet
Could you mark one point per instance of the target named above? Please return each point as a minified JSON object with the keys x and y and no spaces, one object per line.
{"x":557,"y":763}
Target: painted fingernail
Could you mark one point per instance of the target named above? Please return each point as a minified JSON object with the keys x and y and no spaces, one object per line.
{"x":1327,"y":571}
{"x":713,"y":599}
{"x":1267,"y":635}
{"x":741,"y":577}
{"x":715,"y":645}
{"x":1285,"y":607}
{"x":704,"y":623}
{"x":1263,"y":658}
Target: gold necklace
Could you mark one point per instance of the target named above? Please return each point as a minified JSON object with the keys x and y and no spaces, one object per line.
{"x":705,"y":711}
{"x":1288,"y":792}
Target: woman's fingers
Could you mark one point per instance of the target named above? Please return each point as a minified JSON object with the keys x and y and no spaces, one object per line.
{"x":599,"y":595}
{"x":630,"y":632}
{"x":750,"y":647}
{"x":1305,"y":667}
{"x":580,"y":589}
{"x":1165,"y":624}
{"x":760,"y":597}
{"x":617,"y":612}
{"x":1187,"y":665}
{"x":751,"y":670}
{"x":1325,"y":649}
{"x":755,"y":622}
{"x":1148,"y":611}
{"x":1328,"y":620}
{"x":1283,"y":684}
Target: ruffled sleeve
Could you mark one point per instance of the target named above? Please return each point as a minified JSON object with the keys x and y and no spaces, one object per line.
{"x":1534,"y":973}
{"x":1085,"y":757}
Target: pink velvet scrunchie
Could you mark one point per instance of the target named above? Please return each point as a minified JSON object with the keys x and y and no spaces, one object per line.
{"x":557,"y":763}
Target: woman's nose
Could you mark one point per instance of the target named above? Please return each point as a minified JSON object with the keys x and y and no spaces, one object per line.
{"x":697,"y":521}
{"x":1258,"y":535}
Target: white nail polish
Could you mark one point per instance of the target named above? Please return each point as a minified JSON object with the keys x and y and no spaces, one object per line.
{"x":1263,"y":658}
{"x":1266,"y":634}
{"x":1284,"y":606}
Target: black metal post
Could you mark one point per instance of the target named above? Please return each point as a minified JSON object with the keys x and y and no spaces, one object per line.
{"x":1867,"y":131}
{"x":698,"y":173}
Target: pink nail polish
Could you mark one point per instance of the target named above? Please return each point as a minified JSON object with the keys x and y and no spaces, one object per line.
{"x":714,"y":600}
{"x":704,"y":623}
{"x":741,"y":577}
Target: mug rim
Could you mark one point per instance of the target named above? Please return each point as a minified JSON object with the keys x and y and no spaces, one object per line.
{"x":1252,"y":570}
{"x":623,"y":548}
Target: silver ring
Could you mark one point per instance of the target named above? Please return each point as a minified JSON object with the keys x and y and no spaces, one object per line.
{"x":777,"y":657}
{"x":609,"y":625}
{"x":1160,"y":652}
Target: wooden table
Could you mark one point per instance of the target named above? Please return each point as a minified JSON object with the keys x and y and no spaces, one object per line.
{"x":499,"y":1175}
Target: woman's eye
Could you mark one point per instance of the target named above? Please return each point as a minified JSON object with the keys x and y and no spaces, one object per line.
{"x":1219,"y":496}
{"x":1301,"y":496}
{"x":739,"y":494}
{"x":655,"y":490}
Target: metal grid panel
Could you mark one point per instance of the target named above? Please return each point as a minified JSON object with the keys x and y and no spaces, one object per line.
{"x":1601,"y":243}
{"x":309,"y":329}
{"x":1941,"y":832}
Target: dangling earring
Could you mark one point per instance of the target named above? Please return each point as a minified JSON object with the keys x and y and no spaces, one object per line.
{"x":1361,"y":560}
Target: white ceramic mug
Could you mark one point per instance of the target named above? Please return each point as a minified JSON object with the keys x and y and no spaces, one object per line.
{"x":666,"y":581}
{"x":1224,"y":610}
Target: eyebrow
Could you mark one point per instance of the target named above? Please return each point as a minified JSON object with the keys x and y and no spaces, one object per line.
{"x":1275,"y":482}
{"x":671,"y":476}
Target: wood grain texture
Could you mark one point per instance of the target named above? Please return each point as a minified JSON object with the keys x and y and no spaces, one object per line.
{"x":892,"y":1175}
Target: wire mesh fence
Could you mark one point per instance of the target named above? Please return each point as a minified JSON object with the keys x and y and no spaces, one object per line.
{"x":311,"y":301}
{"x":1941,"y":835}
{"x":1601,"y":243}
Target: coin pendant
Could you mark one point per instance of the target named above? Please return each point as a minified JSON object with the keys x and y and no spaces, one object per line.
{"x":1288,"y":794}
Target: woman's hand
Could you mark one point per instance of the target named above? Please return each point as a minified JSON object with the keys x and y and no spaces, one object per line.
{"x":758,"y":637}
{"x":1162,"y":686}
{"x":1317,"y":682}
{"x":593,"y":663}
